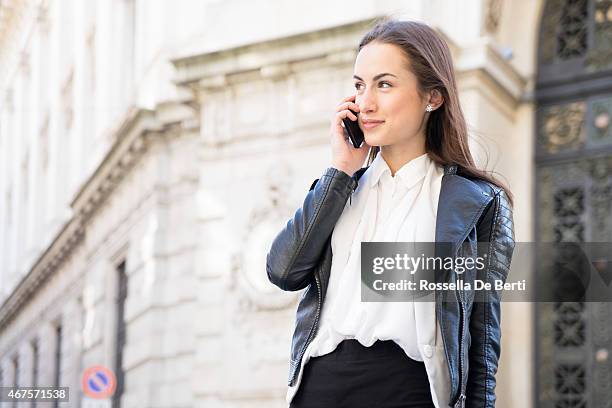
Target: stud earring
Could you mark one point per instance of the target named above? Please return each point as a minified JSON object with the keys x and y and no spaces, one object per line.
{"x":429,"y":108}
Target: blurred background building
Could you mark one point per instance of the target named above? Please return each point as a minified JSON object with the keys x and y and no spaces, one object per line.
{"x":150,"y":151}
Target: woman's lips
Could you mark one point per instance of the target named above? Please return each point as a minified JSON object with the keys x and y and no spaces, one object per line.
{"x":371,"y":125}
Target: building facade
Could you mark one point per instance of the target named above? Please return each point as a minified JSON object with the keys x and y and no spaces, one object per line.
{"x":151,"y":150}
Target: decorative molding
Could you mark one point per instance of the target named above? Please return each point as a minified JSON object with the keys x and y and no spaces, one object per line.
{"x":482,"y":64}
{"x":276,"y":71}
{"x":52,"y":259}
{"x":492,"y":15}
{"x":129,"y":146}
{"x":476,"y":65}
{"x":247,"y":272}
{"x":213,"y":82}
{"x":273,"y":58}
{"x":267,"y":68}
{"x":132,"y":138}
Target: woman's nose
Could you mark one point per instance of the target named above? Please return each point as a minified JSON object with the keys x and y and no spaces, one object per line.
{"x":366,"y":102}
{"x":367,"y":106}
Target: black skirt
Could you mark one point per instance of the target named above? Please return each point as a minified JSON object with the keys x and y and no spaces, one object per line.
{"x":380,"y":376}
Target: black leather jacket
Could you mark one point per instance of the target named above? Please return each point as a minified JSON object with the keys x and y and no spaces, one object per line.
{"x":469,"y":210}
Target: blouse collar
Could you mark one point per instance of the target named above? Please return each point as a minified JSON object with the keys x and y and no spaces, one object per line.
{"x":409,"y":174}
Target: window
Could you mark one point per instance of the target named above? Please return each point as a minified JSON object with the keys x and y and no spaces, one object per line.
{"x":35,"y":363}
{"x":16,"y":371}
{"x":58,"y":359}
{"x":16,"y":376}
{"x":120,"y":332}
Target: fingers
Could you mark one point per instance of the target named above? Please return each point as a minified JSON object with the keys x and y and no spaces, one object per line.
{"x":348,"y":98}
{"x":347,"y":109}
{"x":348,"y":105}
{"x":343,"y":114}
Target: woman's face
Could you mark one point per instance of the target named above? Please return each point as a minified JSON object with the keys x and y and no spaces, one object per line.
{"x":391,"y":98}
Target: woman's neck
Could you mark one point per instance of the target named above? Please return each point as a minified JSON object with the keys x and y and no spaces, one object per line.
{"x":397,"y":155}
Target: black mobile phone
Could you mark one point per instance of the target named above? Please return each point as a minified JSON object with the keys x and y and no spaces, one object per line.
{"x":354,"y":131}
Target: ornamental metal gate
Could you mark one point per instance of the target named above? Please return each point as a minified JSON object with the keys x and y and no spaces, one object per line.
{"x":574,"y":194}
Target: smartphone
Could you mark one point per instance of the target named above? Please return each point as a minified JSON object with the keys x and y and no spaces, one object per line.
{"x":354,"y":131}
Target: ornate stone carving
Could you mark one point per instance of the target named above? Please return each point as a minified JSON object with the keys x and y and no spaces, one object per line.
{"x":493,"y":15}
{"x":563,"y":127}
{"x":264,"y":222}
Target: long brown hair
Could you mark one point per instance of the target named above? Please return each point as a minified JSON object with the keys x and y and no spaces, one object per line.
{"x":430,"y":60}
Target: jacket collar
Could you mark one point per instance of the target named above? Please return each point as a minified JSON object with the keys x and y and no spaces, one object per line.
{"x":460,"y":204}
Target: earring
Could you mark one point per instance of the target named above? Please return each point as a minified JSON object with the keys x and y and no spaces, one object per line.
{"x":429,"y":108}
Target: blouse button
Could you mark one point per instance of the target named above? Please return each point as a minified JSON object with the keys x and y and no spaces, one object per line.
{"x":428,"y":351}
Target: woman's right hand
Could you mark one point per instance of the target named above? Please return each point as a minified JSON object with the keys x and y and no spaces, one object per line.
{"x":345,"y":156}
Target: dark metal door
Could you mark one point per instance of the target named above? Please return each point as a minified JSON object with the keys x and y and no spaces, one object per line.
{"x":574,"y":193}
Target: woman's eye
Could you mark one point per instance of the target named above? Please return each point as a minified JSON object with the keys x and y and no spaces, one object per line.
{"x":380,"y":83}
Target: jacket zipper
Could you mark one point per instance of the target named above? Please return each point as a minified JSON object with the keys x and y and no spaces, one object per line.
{"x":312,"y":330}
{"x":460,"y":403}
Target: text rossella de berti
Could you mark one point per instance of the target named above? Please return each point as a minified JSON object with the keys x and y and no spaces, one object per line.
{"x":425,"y":264}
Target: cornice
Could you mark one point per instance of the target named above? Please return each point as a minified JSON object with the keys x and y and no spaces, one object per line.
{"x":130,"y":144}
{"x":479,"y":64}
{"x":55,"y":255}
{"x":272,"y":58}
{"x":132,"y":139}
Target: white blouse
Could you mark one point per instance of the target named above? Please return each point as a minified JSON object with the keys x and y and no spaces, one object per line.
{"x":384,"y":208}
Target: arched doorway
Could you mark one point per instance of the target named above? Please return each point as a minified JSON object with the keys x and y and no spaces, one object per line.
{"x":574,"y":193}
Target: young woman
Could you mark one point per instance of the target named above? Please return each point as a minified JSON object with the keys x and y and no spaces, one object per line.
{"x":420,"y":185}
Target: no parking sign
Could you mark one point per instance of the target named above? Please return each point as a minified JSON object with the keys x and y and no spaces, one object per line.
{"x":98,"y":382}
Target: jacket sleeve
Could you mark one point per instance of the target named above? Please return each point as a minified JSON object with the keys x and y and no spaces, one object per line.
{"x":497,"y":227}
{"x":297,"y":248}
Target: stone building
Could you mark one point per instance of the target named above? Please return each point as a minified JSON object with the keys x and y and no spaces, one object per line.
{"x":150,"y":151}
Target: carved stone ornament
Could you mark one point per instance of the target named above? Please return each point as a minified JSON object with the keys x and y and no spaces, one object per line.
{"x":264,"y":223}
{"x":493,"y":15}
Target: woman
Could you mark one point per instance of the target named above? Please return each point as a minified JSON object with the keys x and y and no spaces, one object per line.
{"x":420,"y":185}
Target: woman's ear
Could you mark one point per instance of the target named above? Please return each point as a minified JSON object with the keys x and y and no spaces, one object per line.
{"x":435,"y":98}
